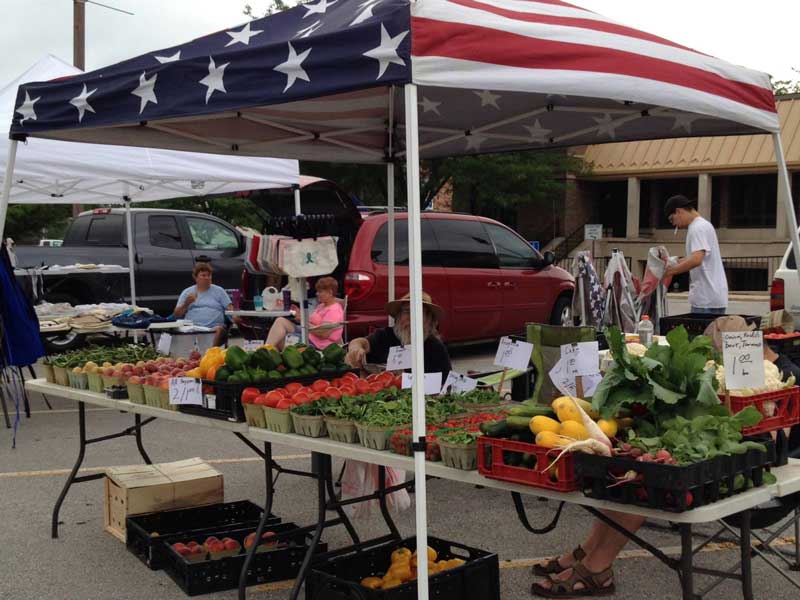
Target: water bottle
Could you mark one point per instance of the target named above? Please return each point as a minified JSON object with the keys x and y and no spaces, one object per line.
{"x":258,"y":302}
{"x":645,"y":331}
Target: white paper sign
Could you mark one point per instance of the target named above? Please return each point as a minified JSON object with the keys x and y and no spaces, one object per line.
{"x":582,"y":358}
{"x":743,"y":356}
{"x":513,"y":354}
{"x":433,"y":382}
{"x":164,"y":344}
{"x":566,"y":382}
{"x":459,"y":383}
{"x":292,"y":339}
{"x":185,"y":390}
{"x":253,"y":345}
{"x":399,"y":358}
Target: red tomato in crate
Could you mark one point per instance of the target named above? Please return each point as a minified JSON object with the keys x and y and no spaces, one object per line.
{"x":273,"y":398}
{"x":249,"y":394}
{"x":332,"y":392}
{"x":320,"y":385}
{"x":293,"y":388}
{"x":362,"y":386}
{"x":284,"y":404}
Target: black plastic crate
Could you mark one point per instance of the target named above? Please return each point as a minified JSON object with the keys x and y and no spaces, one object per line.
{"x":671,"y":487}
{"x":186,"y":521}
{"x":223,"y":400}
{"x":789,"y":346}
{"x":696,"y":323}
{"x":339,"y":578}
{"x":222,"y":574}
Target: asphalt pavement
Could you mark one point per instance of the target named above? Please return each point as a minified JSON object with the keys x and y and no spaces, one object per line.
{"x":86,"y":563}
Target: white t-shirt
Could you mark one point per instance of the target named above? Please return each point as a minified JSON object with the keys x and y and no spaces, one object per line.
{"x":708,"y":287}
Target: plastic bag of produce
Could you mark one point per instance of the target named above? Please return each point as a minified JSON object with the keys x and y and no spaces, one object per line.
{"x":361,"y":479}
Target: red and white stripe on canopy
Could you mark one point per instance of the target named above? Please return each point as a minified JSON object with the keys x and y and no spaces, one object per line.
{"x":484,"y":77}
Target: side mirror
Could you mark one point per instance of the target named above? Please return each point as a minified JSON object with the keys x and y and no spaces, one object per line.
{"x":549,"y":259}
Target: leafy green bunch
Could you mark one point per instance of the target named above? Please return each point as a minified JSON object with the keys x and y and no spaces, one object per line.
{"x":667,"y":381}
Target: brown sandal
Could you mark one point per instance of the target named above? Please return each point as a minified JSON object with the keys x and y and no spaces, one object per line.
{"x":552,"y":566}
{"x":594,"y":584}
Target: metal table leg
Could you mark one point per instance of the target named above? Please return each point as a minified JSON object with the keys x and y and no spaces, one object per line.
{"x":746,"y":556}
{"x":686,"y":567}
{"x":138,"y":434}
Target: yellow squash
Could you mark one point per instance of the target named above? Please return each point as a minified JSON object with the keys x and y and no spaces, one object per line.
{"x":541,"y":423}
{"x":548,"y":439}
{"x":574,"y":430}
{"x":608,"y":426}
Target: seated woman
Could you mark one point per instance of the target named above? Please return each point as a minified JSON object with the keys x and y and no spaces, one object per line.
{"x":204,"y":303}
{"x":328,"y":311}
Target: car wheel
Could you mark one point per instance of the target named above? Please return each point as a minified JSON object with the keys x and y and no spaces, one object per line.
{"x":562,"y":312}
{"x":56,"y":344}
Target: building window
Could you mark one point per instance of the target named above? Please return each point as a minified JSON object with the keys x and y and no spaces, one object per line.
{"x":654,"y":194}
{"x":751,"y":200}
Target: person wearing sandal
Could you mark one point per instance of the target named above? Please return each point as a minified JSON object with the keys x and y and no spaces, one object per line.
{"x":586,"y":571}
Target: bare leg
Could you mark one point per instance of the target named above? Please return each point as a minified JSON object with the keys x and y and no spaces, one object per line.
{"x":219,"y":334}
{"x":278,"y":332}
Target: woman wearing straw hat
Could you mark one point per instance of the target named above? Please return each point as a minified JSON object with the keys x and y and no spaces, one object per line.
{"x":375,"y":347}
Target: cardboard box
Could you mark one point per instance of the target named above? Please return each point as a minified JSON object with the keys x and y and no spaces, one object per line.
{"x":140,"y":489}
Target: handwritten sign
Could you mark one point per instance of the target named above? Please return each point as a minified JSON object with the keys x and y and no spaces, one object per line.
{"x":185,"y":390}
{"x":164,"y":344}
{"x":566,"y":382}
{"x":743,"y":356}
{"x":581,"y":358}
{"x":253,"y":345}
{"x":399,"y":358}
{"x":459,"y":383}
{"x":513,"y":354}
{"x":433,"y":382}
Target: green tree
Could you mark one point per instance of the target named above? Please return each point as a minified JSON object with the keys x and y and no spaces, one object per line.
{"x":784,"y":87}
{"x":28,"y":223}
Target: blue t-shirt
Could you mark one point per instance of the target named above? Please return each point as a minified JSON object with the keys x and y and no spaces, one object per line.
{"x":208,"y":310}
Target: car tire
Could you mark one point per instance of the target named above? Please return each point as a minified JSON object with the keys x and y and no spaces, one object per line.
{"x":562,"y":312}
{"x":55,"y":344}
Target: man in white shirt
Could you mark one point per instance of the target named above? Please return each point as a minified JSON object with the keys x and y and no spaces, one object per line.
{"x":708,"y":288}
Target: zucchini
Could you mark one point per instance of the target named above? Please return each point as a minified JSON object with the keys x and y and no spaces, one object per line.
{"x":518,"y":422}
{"x":495,"y":429}
{"x":530,"y":411}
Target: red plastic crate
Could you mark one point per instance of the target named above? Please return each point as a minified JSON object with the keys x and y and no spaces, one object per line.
{"x":491,"y":464}
{"x":786,"y":410}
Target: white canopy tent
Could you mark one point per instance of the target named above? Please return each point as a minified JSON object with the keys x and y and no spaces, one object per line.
{"x":55,"y":172}
{"x":457,"y":76}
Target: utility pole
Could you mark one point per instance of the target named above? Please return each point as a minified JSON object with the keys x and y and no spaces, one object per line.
{"x":78,"y":51}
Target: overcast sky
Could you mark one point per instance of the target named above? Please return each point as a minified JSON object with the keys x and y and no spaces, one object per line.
{"x":760,"y":35}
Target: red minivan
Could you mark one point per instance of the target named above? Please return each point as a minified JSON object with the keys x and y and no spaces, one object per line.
{"x":487,"y":278}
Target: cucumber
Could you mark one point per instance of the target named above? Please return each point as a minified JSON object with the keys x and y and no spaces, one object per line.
{"x":528,"y":410}
{"x":518,"y":422}
{"x":529,"y":460}
{"x":495,"y":429}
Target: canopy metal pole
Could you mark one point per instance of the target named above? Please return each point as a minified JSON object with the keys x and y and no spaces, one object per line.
{"x":417,"y":335}
{"x":131,"y":258}
{"x":785,"y":193}
{"x":12,"y":159}
{"x":303,"y":294}
{"x":390,"y":200}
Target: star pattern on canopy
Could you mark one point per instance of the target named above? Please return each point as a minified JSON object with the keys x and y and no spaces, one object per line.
{"x":146,"y":90}
{"x":213,"y":81}
{"x":81,"y":102}
{"x":242,"y":36}
{"x":292,"y":67}
{"x":26,"y":108}
{"x":386,"y":52}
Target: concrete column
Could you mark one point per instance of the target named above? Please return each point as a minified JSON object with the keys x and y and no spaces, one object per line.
{"x":781,"y":224}
{"x":634,"y":193}
{"x":704,"y":195}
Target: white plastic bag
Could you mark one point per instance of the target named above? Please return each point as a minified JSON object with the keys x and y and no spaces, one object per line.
{"x":361,"y":479}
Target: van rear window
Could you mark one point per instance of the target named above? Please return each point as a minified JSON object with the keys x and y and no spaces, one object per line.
{"x":380,"y":245}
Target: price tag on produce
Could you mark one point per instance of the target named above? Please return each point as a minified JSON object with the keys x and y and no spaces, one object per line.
{"x":253,"y":345}
{"x":513,"y":354}
{"x":433,"y":382}
{"x":164,"y":344}
{"x":185,"y":390}
{"x":743,"y":356}
{"x":582,"y":358}
{"x":459,"y":383}
{"x":566,"y":382}
{"x":399,"y":358}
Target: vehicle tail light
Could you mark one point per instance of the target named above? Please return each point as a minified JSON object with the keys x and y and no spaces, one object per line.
{"x":357,"y":285}
{"x":776,"y":294}
{"x":101,"y":211}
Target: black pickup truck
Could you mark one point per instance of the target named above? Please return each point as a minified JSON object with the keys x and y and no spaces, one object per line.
{"x":166,"y":245}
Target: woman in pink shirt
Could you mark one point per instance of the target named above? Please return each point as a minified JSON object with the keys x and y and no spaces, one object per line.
{"x":328,"y":311}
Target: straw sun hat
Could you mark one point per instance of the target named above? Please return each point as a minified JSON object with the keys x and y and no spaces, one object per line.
{"x":393,"y":308}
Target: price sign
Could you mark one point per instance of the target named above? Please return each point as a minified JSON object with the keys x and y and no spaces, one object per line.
{"x":566,"y":381}
{"x":164,"y":344}
{"x":399,"y":358}
{"x":253,"y":345}
{"x":582,"y":358}
{"x":743,"y":356}
{"x":185,"y":390}
{"x":459,"y":383}
{"x":433,"y":382}
{"x":513,"y":354}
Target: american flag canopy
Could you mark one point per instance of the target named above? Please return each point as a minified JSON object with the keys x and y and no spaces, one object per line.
{"x":323,"y":81}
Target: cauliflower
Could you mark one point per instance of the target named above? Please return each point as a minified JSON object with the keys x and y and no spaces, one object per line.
{"x":773,"y":381}
{"x":636,"y":349}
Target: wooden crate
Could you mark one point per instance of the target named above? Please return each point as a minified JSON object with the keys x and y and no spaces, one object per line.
{"x":140,"y":489}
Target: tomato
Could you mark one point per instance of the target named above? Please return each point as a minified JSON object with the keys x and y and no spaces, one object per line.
{"x":336,"y":382}
{"x":348,"y":390}
{"x":398,"y":382}
{"x":284,"y":404}
{"x":317,"y":395}
{"x":304,"y":390}
{"x":375,"y":387}
{"x":320,"y":385}
{"x":293,"y":388}
{"x":362,"y":386}
{"x":386,"y":379}
{"x":273,"y":398}
{"x":332,"y":392}
{"x":372,"y":377}
{"x":249,"y":394}
{"x":350,"y":376}
{"x":261,"y":399}
{"x":300,"y":398}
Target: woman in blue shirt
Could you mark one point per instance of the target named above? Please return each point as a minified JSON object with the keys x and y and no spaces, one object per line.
{"x":204,"y":303}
